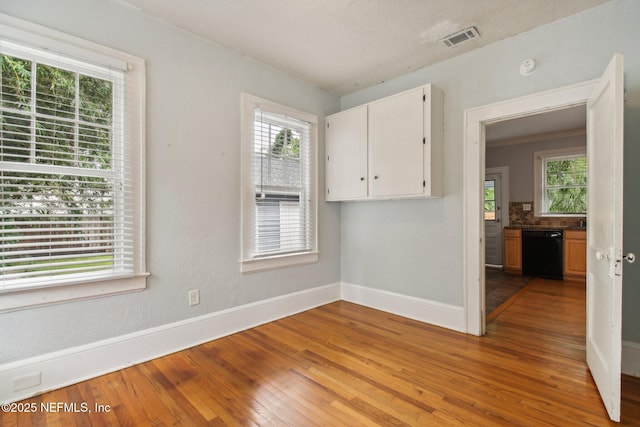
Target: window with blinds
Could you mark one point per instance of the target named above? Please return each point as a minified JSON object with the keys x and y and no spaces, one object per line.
{"x":66,"y":194}
{"x":280,"y":198}
{"x":561,"y":181}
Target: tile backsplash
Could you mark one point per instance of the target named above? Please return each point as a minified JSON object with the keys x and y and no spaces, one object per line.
{"x":520,"y":217}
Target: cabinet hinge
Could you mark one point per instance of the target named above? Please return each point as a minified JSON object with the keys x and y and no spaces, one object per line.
{"x":327,"y":124}
{"x":328,"y":191}
{"x":328,"y":158}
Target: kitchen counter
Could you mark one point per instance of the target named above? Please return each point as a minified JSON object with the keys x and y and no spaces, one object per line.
{"x":546,"y":227}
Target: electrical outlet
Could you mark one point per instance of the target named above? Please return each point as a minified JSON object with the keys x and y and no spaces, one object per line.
{"x":194,"y":297}
{"x":526,"y":207}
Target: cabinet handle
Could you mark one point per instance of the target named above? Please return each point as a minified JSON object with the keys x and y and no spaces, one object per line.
{"x":375,"y":177}
{"x":362,"y":178}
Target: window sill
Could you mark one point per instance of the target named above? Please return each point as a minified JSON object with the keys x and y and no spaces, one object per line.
{"x":280,"y":261}
{"x":39,"y":297}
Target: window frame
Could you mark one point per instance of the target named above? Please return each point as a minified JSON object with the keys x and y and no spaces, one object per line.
{"x":539,"y":159}
{"x":13,"y":32}
{"x":248,"y":262}
{"x":495,"y":212}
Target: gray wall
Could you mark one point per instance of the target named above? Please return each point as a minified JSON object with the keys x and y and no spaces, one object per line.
{"x":519,"y":159}
{"x":193,"y":178}
{"x":415,"y":247}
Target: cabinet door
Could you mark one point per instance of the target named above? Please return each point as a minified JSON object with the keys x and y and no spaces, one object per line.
{"x":346,"y":154}
{"x":512,"y":251}
{"x":396,"y":149}
{"x":575,"y":254}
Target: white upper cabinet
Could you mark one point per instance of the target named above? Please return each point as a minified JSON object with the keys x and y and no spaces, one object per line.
{"x":387,"y":149}
{"x":396,"y":149}
{"x":346,"y":148}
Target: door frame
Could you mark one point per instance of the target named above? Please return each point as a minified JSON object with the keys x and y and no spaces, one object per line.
{"x":503,"y":171}
{"x":475,"y":120}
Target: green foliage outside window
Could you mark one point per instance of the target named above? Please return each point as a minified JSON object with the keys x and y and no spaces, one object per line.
{"x":63,"y":118}
{"x":286,"y":144}
{"x":566,"y":185}
{"x":489,"y":200}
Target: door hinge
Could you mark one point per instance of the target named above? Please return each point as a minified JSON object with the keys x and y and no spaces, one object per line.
{"x":424,"y":184}
{"x":327,"y":124}
{"x":424,"y":98}
{"x":424,"y":140}
{"x":328,"y":158}
{"x":328,"y":191}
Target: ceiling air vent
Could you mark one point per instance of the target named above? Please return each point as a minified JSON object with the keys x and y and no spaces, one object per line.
{"x":460,"y":37}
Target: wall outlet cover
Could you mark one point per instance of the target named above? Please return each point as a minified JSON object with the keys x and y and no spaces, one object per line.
{"x":194,"y":297}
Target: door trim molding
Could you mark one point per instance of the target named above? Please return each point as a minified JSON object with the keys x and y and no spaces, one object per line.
{"x":475,"y":120}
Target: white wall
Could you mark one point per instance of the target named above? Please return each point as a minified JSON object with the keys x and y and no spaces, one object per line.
{"x":415,"y":247}
{"x":193,"y":178}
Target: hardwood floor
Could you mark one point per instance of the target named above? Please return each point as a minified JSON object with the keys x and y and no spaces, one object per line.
{"x":347,"y":365}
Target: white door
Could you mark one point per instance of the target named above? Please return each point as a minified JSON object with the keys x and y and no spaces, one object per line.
{"x":604,"y":234}
{"x":493,"y":219}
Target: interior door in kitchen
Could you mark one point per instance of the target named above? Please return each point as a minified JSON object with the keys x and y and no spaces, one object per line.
{"x":493,"y":219}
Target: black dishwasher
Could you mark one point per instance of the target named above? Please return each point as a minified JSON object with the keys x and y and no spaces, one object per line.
{"x":542,"y":253}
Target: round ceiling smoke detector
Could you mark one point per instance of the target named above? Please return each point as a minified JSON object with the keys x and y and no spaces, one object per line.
{"x":528,"y":66}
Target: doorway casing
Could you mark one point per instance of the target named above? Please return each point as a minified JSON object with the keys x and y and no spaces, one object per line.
{"x":475,"y":120}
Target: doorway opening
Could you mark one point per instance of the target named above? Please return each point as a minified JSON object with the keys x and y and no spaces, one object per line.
{"x":515,"y":201}
{"x":477,"y":123}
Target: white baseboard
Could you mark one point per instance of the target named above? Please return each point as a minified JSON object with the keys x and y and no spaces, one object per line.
{"x":435,"y":313}
{"x":25,"y":378}
{"x":631,"y":358}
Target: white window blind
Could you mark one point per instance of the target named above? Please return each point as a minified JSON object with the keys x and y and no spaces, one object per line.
{"x":66,"y":210}
{"x":279,"y":203}
{"x":281,"y":160}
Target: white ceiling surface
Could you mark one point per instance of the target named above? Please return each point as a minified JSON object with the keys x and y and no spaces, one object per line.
{"x":567,"y":119}
{"x":346,"y":45}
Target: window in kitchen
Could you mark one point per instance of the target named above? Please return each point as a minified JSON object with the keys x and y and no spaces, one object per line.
{"x":70,"y":169}
{"x":490,"y":200}
{"x":279,"y":195}
{"x":561,"y":182}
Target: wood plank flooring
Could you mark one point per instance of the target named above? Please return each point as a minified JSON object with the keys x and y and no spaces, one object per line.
{"x":347,"y":365}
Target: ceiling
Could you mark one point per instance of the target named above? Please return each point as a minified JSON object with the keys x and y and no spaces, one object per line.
{"x":346,"y":45}
{"x":544,"y":126}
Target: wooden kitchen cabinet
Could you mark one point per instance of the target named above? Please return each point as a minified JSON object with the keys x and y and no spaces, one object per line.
{"x":512,"y":251}
{"x":387,"y":149}
{"x":575,"y":255}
